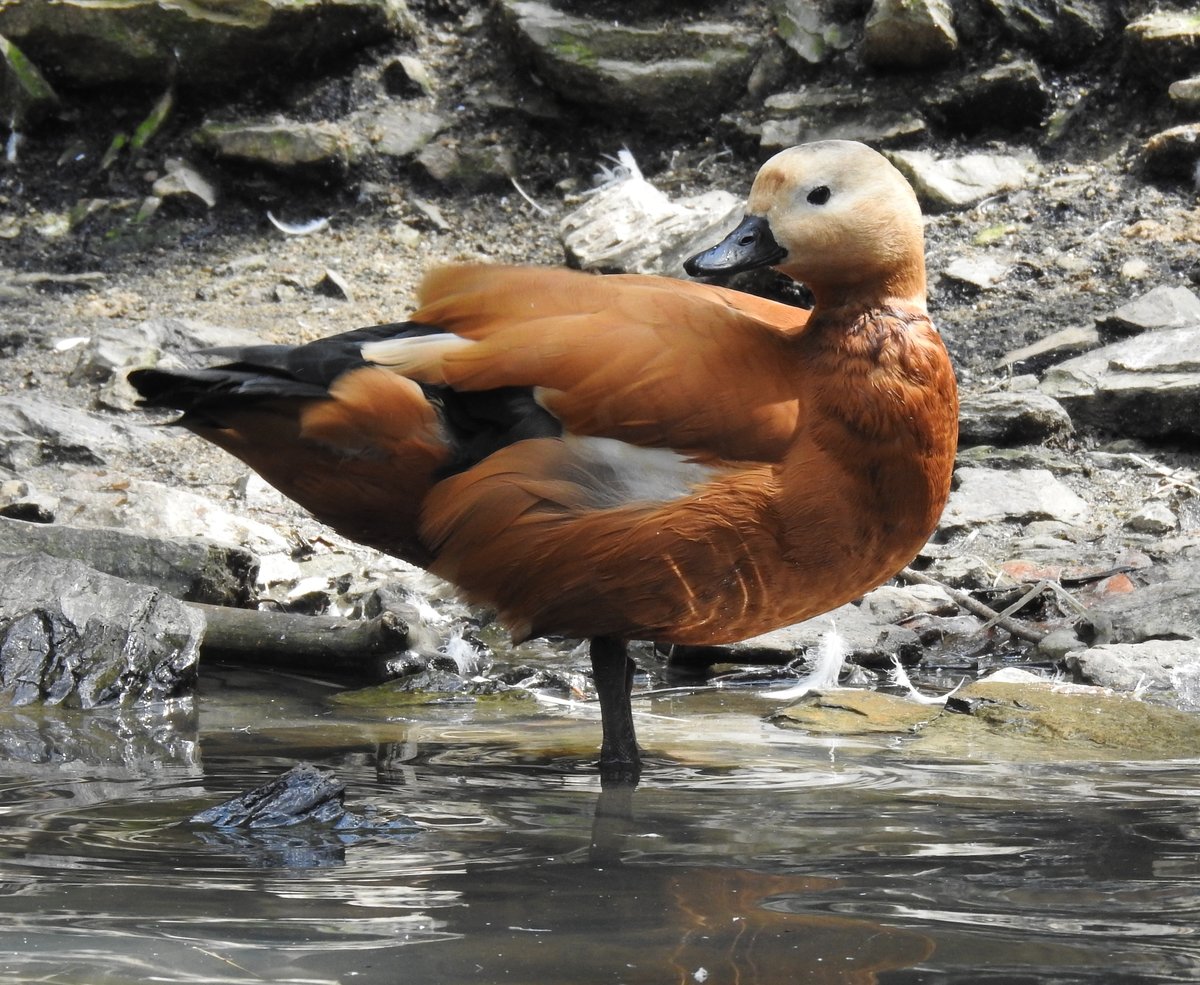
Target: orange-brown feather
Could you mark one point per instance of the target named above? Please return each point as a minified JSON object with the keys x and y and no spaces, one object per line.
{"x":362,"y":461}
{"x":653,"y":362}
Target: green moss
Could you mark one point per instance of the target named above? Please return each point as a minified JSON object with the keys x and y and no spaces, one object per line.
{"x":152,"y":123}
{"x":573,"y":49}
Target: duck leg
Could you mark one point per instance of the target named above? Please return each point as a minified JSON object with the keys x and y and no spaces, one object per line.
{"x":612,"y":669}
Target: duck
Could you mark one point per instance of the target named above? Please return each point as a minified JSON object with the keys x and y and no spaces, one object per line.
{"x":629,"y":457}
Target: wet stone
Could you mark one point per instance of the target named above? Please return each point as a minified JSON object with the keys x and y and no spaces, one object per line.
{"x":853,"y":711}
{"x":302,"y":795}
{"x":72,"y":635}
{"x":1014,"y":715}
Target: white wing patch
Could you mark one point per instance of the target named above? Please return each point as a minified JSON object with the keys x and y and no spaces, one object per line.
{"x":419,"y":357}
{"x":616,"y":473}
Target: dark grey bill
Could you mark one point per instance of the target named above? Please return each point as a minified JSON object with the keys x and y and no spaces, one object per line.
{"x":750,"y":245}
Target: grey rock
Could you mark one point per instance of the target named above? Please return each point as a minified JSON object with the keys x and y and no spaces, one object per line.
{"x":304,"y":149}
{"x":1026,"y":457}
{"x":909,"y":34}
{"x":1162,"y":307}
{"x":811,"y":30}
{"x":1186,"y":93}
{"x":1165,"y":610}
{"x":1153,"y":518}
{"x":838,"y":112}
{"x":630,"y":226}
{"x":983,"y":274}
{"x":959,"y":182}
{"x":402,"y":130}
{"x":147,"y":42}
{"x":1012,"y":96}
{"x":870,"y":642}
{"x":1165,"y":43}
{"x":1174,"y":153}
{"x":675,"y":74}
{"x":1171,"y":666}
{"x":1062,"y":31}
{"x":1054,"y":348}
{"x":468,"y":167}
{"x":1008,"y":418}
{"x":157,"y":510}
{"x":184,"y":181}
{"x":71,"y":635}
{"x":21,"y":501}
{"x":190,"y":569}
{"x":1021,"y":495}
{"x":334,"y":285}
{"x":36,"y":431}
{"x":1145,"y":386}
{"x":407,"y":76}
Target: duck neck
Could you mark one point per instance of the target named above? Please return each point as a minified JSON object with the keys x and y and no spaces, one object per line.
{"x":904,"y":285}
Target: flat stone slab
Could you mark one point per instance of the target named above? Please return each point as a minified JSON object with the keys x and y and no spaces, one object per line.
{"x":1017,"y":496}
{"x":213,"y":46}
{"x":1167,"y":667}
{"x":944,"y":184}
{"x":1145,"y":386}
{"x":190,"y":569}
{"x":1013,"y":716}
{"x":674,"y":73}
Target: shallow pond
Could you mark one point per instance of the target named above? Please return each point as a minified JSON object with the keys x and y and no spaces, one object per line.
{"x":748,"y":854}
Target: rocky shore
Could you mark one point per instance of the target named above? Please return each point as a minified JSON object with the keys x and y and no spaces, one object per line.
{"x":175,"y":181}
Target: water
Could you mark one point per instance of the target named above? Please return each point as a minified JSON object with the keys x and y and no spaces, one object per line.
{"x":748,"y":855}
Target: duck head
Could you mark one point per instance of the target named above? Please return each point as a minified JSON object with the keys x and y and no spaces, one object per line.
{"x":834,"y":215}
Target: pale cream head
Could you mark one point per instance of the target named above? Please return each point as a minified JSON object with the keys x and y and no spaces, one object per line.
{"x":848,"y":221}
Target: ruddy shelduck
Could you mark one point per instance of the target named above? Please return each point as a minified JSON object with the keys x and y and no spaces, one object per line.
{"x":630,"y":457}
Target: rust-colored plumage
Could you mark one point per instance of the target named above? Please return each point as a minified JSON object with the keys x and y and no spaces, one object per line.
{"x":631,"y":457}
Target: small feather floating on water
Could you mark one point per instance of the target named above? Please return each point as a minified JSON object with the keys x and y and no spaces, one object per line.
{"x":298,"y":228}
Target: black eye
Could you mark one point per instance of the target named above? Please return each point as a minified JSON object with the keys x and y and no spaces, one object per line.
{"x":819,"y":195}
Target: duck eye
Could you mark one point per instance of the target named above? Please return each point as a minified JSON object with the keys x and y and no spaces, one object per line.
{"x":819,"y":195}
